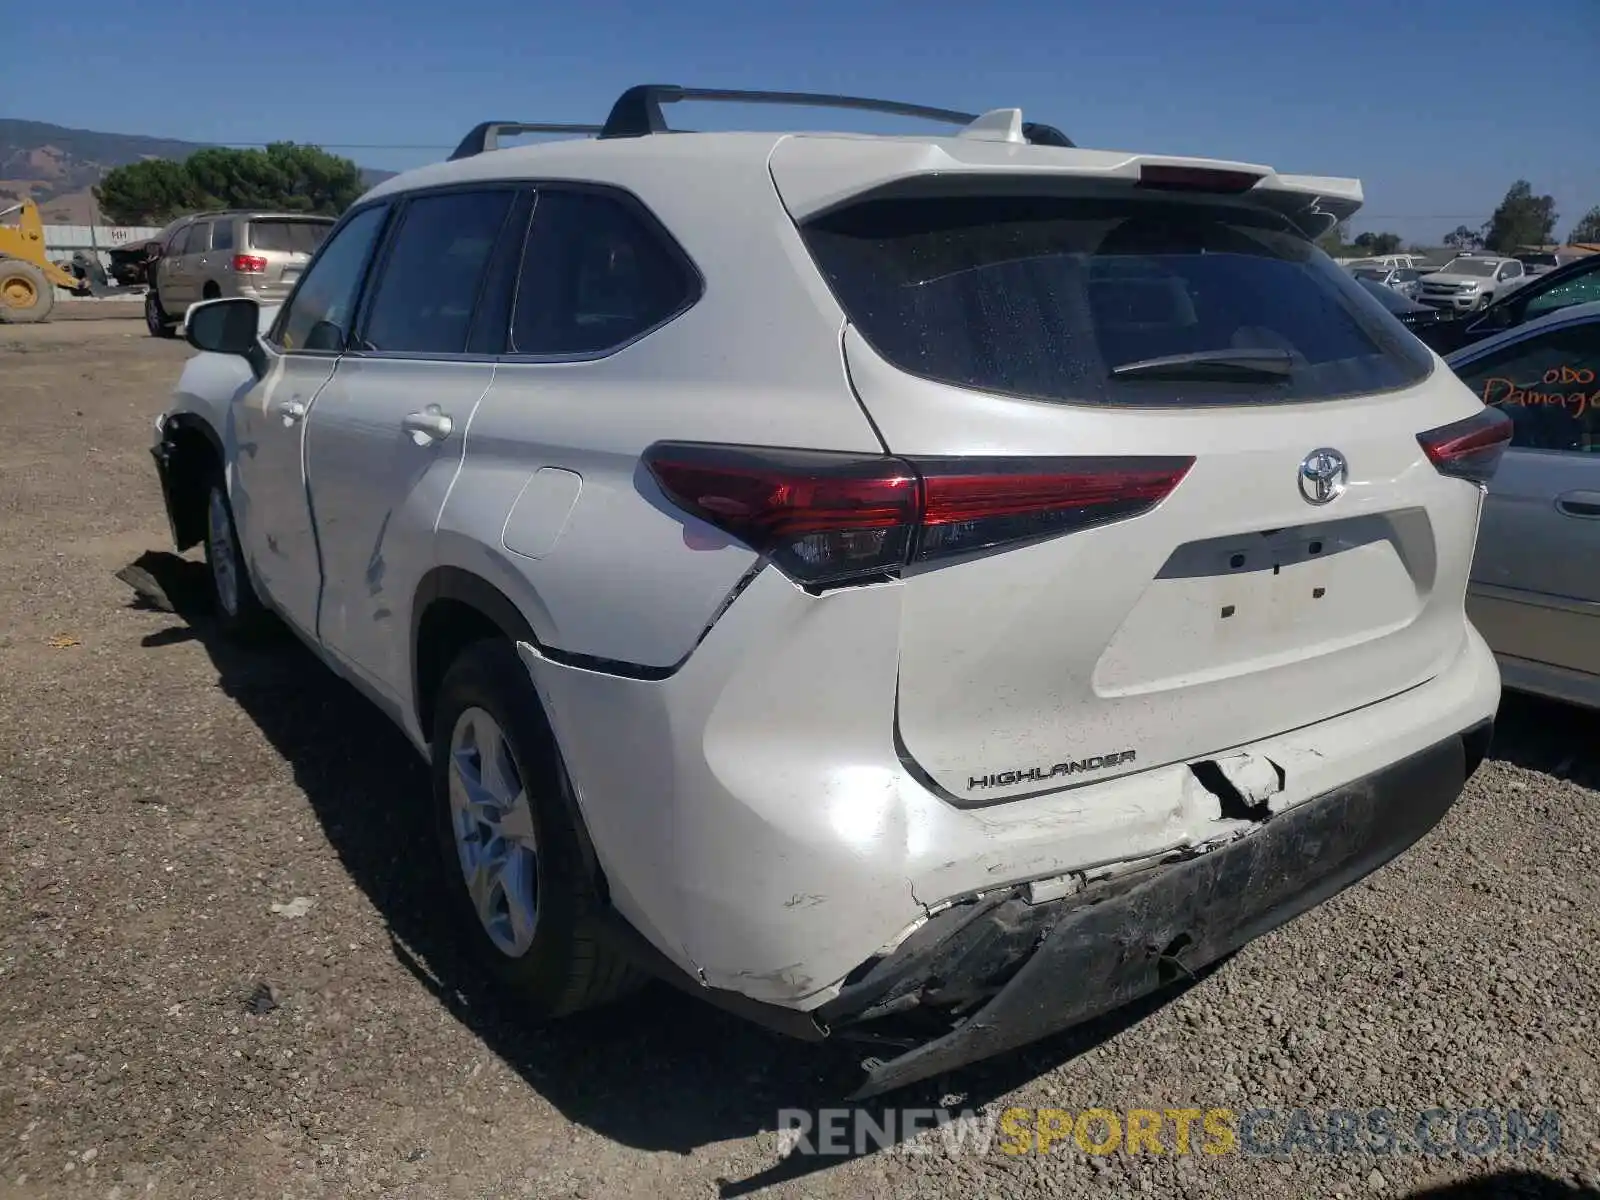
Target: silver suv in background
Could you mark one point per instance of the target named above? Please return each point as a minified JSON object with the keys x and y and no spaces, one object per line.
{"x":1467,"y":283}
{"x":249,"y":254}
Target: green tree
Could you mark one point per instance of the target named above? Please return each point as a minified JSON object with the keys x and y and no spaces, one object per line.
{"x":149,"y":192}
{"x":1522,"y":219}
{"x":1463,"y":237}
{"x":1588,"y":227}
{"x":1377,"y":244}
{"x":284,"y":176}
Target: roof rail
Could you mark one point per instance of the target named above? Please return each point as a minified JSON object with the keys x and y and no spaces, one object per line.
{"x":486,"y":137}
{"x":637,"y":112}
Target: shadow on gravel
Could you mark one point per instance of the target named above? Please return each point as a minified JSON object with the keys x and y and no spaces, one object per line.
{"x":659,"y":1071}
{"x":1545,"y":735}
{"x":1509,"y":1185}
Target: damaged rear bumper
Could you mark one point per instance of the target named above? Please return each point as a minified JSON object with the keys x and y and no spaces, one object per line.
{"x":998,"y":972}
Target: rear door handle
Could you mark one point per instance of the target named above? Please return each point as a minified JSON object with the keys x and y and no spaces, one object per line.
{"x":1579,"y":504}
{"x":291,"y":411}
{"x":432,"y":424}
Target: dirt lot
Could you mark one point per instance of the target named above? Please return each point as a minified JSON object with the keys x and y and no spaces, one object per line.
{"x":170,"y":1027}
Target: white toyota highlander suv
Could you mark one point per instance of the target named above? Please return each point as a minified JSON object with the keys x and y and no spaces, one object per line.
{"x":920,"y":591}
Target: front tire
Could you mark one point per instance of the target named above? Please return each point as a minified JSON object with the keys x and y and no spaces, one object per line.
{"x":238,"y":609}
{"x":26,"y":296}
{"x":515,"y":864}
{"x":155,"y":317}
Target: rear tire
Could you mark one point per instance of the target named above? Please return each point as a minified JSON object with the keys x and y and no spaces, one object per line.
{"x":26,"y":296}
{"x":490,"y":746}
{"x":155,"y":317}
{"x":238,"y":609}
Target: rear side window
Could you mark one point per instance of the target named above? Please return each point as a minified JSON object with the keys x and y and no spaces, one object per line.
{"x":596,"y":274}
{"x":288,"y":237}
{"x":1044,"y":297}
{"x":222,"y":235}
{"x":425,"y":296}
{"x":1549,"y":385}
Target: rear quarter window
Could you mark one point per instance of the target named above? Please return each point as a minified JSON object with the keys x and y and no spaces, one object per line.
{"x":1043,"y":297}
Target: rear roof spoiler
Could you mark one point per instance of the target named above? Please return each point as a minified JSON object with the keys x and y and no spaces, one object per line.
{"x":637,"y":113}
{"x":812,"y":179}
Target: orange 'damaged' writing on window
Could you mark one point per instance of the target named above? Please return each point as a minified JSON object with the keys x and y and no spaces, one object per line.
{"x":1571,"y":388}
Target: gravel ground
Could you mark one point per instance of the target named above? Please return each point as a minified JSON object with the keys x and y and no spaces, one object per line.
{"x":220,"y":974}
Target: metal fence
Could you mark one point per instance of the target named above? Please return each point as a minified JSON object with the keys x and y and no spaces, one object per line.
{"x":62,"y":241}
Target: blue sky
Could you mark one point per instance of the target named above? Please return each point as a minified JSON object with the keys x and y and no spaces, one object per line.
{"x":1437,"y":105}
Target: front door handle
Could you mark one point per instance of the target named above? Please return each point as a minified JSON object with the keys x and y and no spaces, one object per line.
{"x":292,"y":412}
{"x":432,"y":424}
{"x":1579,"y":504}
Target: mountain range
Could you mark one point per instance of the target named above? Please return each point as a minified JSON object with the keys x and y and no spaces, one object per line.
{"x":56,"y":167}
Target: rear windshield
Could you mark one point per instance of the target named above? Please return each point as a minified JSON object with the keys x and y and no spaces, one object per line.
{"x":1043,"y":297}
{"x":288,"y":236}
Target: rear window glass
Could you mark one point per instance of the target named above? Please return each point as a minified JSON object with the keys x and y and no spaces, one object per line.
{"x":289,"y":237}
{"x":1044,"y":297}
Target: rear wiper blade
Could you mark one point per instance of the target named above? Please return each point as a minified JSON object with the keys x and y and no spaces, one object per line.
{"x":1211,"y":364}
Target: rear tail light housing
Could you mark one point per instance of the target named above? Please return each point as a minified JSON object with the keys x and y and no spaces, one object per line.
{"x":249,"y":264}
{"x":1471,"y":448}
{"x":827,"y":519}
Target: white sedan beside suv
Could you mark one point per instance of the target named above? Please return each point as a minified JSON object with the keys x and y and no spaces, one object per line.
{"x":920,"y":591}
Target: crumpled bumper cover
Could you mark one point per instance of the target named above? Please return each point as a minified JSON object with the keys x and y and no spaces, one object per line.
{"x":1098,"y":956}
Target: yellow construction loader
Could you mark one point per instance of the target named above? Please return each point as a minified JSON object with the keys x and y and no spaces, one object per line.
{"x":28,"y":280}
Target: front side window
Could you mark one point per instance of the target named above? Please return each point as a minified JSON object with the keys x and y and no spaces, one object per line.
{"x":424,"y":298}
{"x":199,"y":238}
{"x":1547,"y":384}
{"x":596,"y":274}
{"x":319,"y":315}
{"x":1077,"y":299}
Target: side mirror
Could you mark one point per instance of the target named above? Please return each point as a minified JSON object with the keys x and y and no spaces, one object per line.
{"x":227,"y":327}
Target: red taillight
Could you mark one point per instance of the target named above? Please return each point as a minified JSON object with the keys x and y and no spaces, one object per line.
{"x":1471,"y":448}
{"x":828,"y":518}
{"x":973,"y":504}
{"x":821,"y":517}
{"x":1195,"y":179}
{"x":249,"y":264}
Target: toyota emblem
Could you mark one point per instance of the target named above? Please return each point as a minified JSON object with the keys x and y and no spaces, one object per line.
{"x":1323,"y":476}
